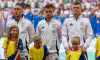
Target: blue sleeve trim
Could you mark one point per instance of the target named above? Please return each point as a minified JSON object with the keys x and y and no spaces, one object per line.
{"x":82,"y":57}
{"x":13,"y":16}
{"x":46,"y":53}
{"x":12,"y":56}
{"x":98,"y":58}
{"x":20,"y":44}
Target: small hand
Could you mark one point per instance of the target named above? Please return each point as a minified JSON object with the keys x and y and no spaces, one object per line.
{"x":66,"y":50}
{"x":83,"y":49}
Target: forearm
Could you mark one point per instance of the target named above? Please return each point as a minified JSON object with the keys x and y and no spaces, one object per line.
{"x":89,"y":34}
{"x":88,"y":41}
{"x":64,"y":41}
{"x":18,"y":52}
{"x":31,"y":59}
{"x":5,"y":53}
{"x":96,"y":54}
{"x":31,"y":33}
{"x":47,"y":58}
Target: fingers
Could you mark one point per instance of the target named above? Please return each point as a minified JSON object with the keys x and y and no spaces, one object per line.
{"x":66,"y":50}
{"x":83,"y":49}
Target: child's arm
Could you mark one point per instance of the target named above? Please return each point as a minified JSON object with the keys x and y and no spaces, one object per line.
{"x":31,"y":59}
{"x":82,"y":57}
{"x":5,"y":53}
{"x":46,"y":53}
{"x":96,"y":54}
{"x":18,"y":52}
{"x":47,"y":58}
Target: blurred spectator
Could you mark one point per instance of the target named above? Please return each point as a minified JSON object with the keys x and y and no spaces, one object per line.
{"x":92,"y":18}
{"x":10,"y":3}
{"x":29,"y":15}
{"x":2,"y":3}
{"x":98,"y":27}
{"x":62,"y":18}
{"x":23,"y":4}
{"x":28,"y":4}
{"x":41,"y":16}
{"x":32,"y":4}
{"x":5,"y":4}
{"x":36,"y":16}
{"x":88,"y":5}
{"x":55,"y":15}
{"x":36,"y":5}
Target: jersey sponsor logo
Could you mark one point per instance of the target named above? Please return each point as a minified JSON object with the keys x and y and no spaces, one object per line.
{"x":42,"y":27}
{"x":81,"y":28}
{"x":71,"y":24}
{"x":54,"y":26}
{"x":20,"y":45}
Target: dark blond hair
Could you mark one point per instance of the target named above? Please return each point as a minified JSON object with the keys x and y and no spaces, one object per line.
{"x":49,"y":5}
{"x":9,"y":37}
{"x":76,"y":38}
{"x":18,"y":4}
{"x":77,"y":3}
{"x":37,"y":38}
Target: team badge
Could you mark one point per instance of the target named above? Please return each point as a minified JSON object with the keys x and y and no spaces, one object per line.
{"x":53,"y":26}
{"x":81,"y":28}
{"x":71,"y":24}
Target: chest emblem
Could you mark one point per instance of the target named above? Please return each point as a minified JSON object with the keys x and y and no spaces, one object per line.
{"x":71,"y":24}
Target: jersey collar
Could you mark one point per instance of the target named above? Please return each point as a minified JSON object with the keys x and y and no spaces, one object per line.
{"x":74,"y":50}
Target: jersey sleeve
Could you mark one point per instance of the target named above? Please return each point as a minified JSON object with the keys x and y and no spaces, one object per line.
{"x":82,"y":57}
{"x":31,"y":32}
{"x":89,"y":34}
{"x":65,"y":34}
{"x":30,"y":53}
{"x":20,"y":45}
{"x":4,"y":43}
{"x":46,"y":53}
{"x":96,"y":45}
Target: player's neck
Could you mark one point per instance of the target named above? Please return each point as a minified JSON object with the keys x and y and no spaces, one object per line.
{"x":75,"y":49}
{"x":48,"y":19}
{"x":76,"y":16}
{"x":17,"y":18}
{"x":13,"y":37}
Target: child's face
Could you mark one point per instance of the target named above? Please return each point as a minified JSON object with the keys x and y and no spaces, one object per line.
{"x":38,"y":44}
{"x":14,"y":32}
{"x":75,"y":45}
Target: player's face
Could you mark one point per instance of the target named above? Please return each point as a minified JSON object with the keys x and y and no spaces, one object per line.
{"x":92,"y":11}
{"x":38,"y":44}
{"x":14,"y":32}
{"x":49,"y":12}
{"x":77,"y":9}
{"x":18,"y":10}
{"x":75,"y":45}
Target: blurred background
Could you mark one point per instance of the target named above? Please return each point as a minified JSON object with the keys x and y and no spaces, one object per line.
{"x":34,"y":11}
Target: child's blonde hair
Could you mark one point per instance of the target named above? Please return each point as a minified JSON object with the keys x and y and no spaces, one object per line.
{"x":75,"y":38}
{"x":16,"y":38}
{"x":37,"y":38}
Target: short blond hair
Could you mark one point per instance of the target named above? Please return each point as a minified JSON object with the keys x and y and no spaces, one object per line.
{"x":49,"y":5}
{"x":75,"y":38}
{"x":37,"y":38}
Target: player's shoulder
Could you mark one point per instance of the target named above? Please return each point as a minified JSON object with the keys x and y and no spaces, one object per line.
{"x":32,"y":47}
